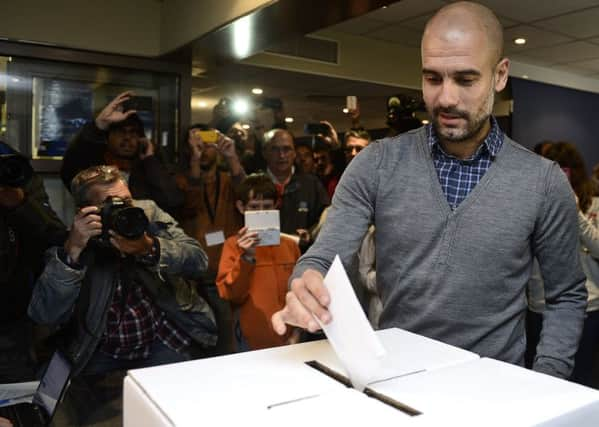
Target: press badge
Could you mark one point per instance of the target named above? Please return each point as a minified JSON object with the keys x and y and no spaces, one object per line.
{"x":215,"y":238}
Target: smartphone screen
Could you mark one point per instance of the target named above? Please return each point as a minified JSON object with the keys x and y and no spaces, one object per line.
{"x":352,"y":102}
{"x":208,"y":136}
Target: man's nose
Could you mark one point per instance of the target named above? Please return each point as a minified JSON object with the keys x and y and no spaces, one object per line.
{"x":449,"y":94}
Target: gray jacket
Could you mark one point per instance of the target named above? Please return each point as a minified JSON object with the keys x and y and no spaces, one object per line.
{"x":81,"y":298}
{"x":460,"y":275}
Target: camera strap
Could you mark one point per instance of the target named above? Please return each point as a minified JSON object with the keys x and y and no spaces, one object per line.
{"x":212,"y":211}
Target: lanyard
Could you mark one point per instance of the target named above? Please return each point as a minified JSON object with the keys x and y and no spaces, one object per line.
{"x":212,"y":211}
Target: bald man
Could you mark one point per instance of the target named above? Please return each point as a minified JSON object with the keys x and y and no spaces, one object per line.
{"x":460,"y":212}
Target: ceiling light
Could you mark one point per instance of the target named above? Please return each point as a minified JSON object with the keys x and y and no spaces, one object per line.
{"x":425,"y":122}
{"x":289,"y":120}
{"x":241,"y":106}
{"x":14,"y":79}
{"x":520,"y":41}
{"x":245,"y":126}
{"x":202,"y":104}
{"x":257,"y":91}
{"x":525,"y":76}
{"x":345,"y":110}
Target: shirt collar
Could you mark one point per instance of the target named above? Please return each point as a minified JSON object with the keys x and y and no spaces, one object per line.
{"x":492,"y":143}
{"x":274,"y":178}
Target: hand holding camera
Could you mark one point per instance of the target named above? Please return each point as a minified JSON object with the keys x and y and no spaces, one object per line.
{"x":86,"y":224}
{"x":114,"y":112}
{"x":226,"y":146}
{"x":138,"y":247}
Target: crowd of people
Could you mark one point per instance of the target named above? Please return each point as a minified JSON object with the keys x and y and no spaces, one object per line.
{"x":438,"y":228}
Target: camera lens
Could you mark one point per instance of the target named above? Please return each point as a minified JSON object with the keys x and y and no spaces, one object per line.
{"x":130,"y":222}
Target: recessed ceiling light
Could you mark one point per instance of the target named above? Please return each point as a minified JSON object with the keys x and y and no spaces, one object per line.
{"x":14,"y":79}
{"x":425,"y":122}
{"x":345,"y":110}
{"x":520,"y":41}
{"x":525,"y":76}
{"x":202,"y":104}
{"x":245,"y":126}
{"x":257,"y":91}
{"x":289,"y":120}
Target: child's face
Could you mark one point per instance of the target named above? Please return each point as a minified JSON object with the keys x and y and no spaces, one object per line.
{"x":259,"y":204}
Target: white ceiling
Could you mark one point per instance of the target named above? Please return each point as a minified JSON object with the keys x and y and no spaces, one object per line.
{"x":561,"y":34}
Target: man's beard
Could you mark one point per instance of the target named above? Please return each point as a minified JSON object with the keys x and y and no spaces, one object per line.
{"x":473,"y":124}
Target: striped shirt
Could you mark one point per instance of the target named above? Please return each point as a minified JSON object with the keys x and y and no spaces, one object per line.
{"x":458,"y":177}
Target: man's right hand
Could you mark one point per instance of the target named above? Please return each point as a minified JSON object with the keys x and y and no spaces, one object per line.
{"x":307,"y":298}
{"x":113,"y":112}
{"x":87,"y":224}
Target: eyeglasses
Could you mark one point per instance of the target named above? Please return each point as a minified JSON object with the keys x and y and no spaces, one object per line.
{"x":281,"y":149}
{"x":351,"y":148}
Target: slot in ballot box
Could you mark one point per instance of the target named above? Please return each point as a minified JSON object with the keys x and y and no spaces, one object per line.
{"x":423,"y":383}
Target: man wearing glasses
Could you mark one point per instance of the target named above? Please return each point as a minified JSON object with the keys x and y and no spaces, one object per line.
{"x":301,"y":198}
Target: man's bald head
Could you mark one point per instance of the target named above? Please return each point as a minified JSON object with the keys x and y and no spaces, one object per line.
{"x":462,"y":17}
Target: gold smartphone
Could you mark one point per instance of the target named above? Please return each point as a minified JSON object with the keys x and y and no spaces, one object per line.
{"x":208,"y":136}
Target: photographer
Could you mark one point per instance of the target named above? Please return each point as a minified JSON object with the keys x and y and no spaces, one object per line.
{"x":28,"y":225}
{"x":119,"y":282}
{"x":116,"y":137}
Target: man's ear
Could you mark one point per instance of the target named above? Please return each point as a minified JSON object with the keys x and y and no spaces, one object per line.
{"x":501,"y":74}
{"x":240,"y":207}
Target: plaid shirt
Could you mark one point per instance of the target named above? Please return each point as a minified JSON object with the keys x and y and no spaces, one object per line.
{"x":459,"y":176}
{"x":133,"y":324}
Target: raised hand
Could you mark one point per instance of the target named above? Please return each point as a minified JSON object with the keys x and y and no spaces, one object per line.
{"x":247,"y":241}
{"x":226,"y":146}
{"x":113,"y":112}
{"x":147,"y":148}
{"x":86,"y":224}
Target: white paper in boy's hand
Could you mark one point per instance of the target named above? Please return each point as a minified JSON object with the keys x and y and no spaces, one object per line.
{"x":267,"y":224}
{"x":350,"y":334}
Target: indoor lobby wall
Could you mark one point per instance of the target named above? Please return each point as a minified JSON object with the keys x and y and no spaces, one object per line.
{"x":548,"y":112}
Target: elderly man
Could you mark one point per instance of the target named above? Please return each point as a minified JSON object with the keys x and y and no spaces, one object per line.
{"x":460,"y":212}
{"x":120,"y":281}
{"x":301,"y":197}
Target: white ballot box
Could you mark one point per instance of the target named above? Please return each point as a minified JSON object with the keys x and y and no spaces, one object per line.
{"x":422,"y":382}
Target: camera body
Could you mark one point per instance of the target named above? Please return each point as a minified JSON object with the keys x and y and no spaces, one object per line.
{"x":15,"y":170}
{"x":316,"y":129}
{"x":128,"y":221}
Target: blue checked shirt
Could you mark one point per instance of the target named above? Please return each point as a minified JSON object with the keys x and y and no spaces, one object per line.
{"x":459,"y":176}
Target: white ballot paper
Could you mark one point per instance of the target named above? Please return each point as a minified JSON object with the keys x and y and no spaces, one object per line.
{"x":267,"y":224}
{"x":350,"y":334}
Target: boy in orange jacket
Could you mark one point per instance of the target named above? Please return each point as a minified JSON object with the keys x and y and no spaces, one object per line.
{"x":254,"y":279}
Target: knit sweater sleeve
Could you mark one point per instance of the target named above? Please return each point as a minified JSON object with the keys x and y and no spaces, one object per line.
{"x":556,"y":240}
{"x":349,"y":216}
{"x":234,"y":273}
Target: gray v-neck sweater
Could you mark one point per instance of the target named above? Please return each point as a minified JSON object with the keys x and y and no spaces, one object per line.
{"x":460,"y":276}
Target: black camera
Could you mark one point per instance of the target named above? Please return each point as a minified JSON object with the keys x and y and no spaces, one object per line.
{"x":128,"y":221}
{"x":15,"y":170}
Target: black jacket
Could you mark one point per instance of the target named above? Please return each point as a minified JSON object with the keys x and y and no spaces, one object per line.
{"x":149,"y":179}
{"x":25,"y":233}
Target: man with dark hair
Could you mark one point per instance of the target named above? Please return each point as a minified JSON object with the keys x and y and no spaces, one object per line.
{"x":461,"y":211}
{"x":28,"y":226}
{"x":355,"y":140}
{"x":116,"y":137}
{"x":129,"y":298}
